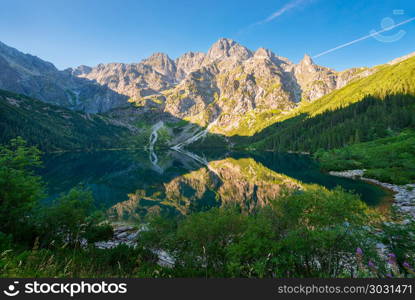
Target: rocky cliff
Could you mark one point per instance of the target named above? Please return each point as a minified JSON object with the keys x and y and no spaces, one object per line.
{"x":230,"y":85}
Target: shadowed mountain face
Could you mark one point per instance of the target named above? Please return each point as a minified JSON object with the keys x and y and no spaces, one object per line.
{"x":52,"y":127}
{"x":131,"y":184}
{"x":31,"y":76}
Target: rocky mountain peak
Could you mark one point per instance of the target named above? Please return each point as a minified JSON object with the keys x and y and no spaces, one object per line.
{"x":264,"y":53}
{"x":81,"y":70}
{"x":307,"y":60}
{"x":157,"y":56}
{"x":225,"y":48}
{"x":187,"y":63}
{"x":223,"y":43}
{"x":161,"y":63}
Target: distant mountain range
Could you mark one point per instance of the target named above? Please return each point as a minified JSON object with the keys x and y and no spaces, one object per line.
{"x":230,"y":90}
{"x":254,"y":79}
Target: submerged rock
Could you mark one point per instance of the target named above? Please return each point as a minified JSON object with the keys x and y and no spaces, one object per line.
{"x":348,"y":174}
{"x":122,"y":235}
{"x":165,"y":260}
{"x":123,"y":228}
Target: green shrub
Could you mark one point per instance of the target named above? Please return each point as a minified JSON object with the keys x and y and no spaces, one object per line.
{"x":71,"y":218}
{"x":102,"y":232}
{"x":20,"y":188}
{"x":311,"y":233}
{"x":6,"y":241}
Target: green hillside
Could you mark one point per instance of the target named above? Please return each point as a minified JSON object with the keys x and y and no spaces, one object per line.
{"x":390,"y":159}
{"x":364,"y":110}
{"x":54,"y":128}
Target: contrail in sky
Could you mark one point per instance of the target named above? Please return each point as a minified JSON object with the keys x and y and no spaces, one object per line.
{"x":290,"y":5}
{"x":364,"y":38}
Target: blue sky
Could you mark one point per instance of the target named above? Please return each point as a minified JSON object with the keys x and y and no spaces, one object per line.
{"x":73,"y":32}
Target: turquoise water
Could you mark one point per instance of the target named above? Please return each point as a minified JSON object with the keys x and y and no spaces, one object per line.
{"x":129,"y":184}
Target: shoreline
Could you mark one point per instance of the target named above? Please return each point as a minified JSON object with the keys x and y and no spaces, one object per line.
{"x":403,"y":195}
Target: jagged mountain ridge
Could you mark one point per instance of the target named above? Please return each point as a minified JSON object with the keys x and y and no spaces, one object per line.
{"x":232,"y":89}
{"x":222,"y":85}
{"x":108,"y":86}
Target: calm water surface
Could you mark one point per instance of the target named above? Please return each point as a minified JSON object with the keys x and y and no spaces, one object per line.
{"x":129,"y":184}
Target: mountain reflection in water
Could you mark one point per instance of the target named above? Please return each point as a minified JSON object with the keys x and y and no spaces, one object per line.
{"x":130,"y":184}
